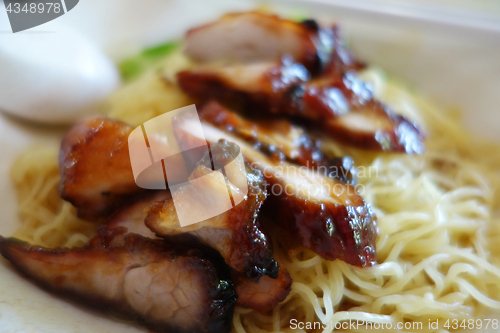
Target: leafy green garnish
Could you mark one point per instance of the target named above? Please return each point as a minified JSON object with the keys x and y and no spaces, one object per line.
{"x":299,"y":15}
{"x":133,"y":67}
{"x":299,"y":18}
{"x":161,"y":50}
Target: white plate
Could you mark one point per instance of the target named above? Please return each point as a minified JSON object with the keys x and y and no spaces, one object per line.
{"x":457,"y":65}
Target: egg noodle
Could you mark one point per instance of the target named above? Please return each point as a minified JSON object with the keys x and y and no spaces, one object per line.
{"x":436,"y":249}
{"x":46,"y":219}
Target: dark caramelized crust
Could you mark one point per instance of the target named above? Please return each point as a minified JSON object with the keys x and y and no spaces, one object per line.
{"x":341,"y":107}
{"x":287,"y":208}
{"x":167,"y":288}
{"x":339,"y":59}
{"x":339,"y":223}
{"x":280,"y":140}
{"x":272,"y":77}
{"x":96,"y":170}
{"x":346,"y":110}
{"x":236,"y":233}
{"x":260,"y":296}
{"x":324,"y":215}
{"x":264,"y":295}
{"x":345,"y":232}
{"x":265,"y":88}
{"x":96,"y":174}
{"x":246,"y":249}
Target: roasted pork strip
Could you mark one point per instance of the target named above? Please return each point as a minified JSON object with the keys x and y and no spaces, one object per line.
{"x":263,"y":88}
{"x":261,"y":296}
{"x":280,"y":140}
{"x":321,"y":213}
{"x":104,"y":142}
{"x":342,"y":107}
{"x":346,"y":110}
{"x":339,"y":59}
{"x":236,"y":233}
{"x":264,"y":295}
{"x":96,"y":172}
{"x":256,"y":36}
{"x":96,"y":175}
{"x":167,"y":288}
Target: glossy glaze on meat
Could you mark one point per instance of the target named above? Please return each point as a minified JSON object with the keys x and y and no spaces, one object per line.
{"x":345,"y":231}
{"x":333,"y":99}
{"x":264,"y":295}
{"x":236,"y":234}
{"x":280,"y":140}
{"x":260,"y":296}
{"x":338,"y":59}
{"x":323,"y":214}
{"x":173,"y":278}
{"x":167,"y":288}
{"x":96,"y":175}
{"x":265,"y":88}
{"x":104,"y":142}
{"x":286,"y":208}
{"x":346,"y":110}
{"x":342,"y":107}
{"x":96,"y":172}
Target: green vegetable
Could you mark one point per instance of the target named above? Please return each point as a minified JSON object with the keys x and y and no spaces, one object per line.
{"x":299,"y":15}
{"x":161,"y":50}
{"x":133,"y":67}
